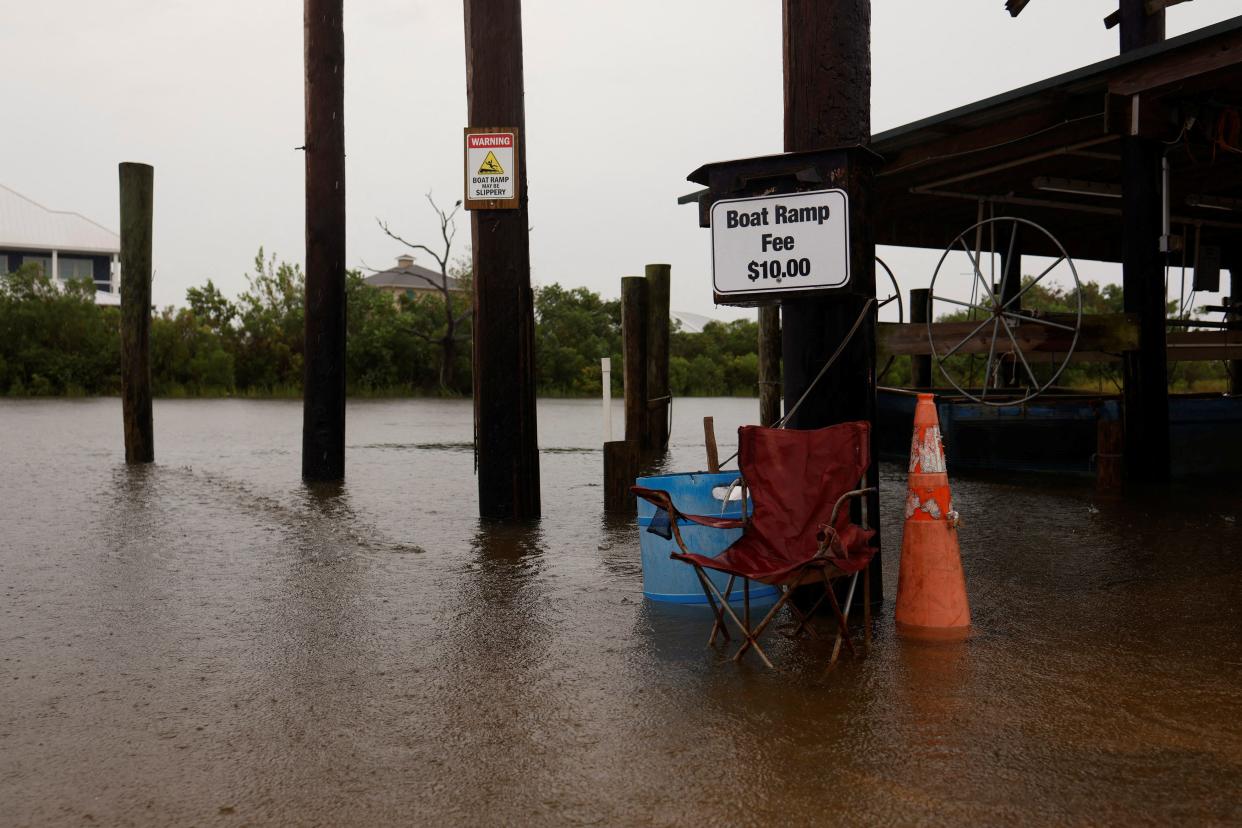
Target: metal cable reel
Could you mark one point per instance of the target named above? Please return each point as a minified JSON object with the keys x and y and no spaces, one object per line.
{"x":1000,"y":320}
{"x":881,"y":302}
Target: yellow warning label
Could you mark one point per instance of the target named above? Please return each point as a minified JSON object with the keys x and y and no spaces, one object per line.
{"x":490,"y":165}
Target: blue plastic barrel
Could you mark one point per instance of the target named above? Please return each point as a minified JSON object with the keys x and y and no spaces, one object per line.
{"x":695,"y":493}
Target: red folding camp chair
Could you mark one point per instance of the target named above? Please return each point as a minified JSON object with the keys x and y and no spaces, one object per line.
{"x":798,"y":533}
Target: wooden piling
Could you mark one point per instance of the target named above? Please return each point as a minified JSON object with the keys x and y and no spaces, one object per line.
{"x":621,"y":458}
{"x":827,"y":92}
{"x":920,"y":366}
{"x":1145,"y":371}
{"x":634,"y":349}
{"x":709,"y":443}
{"x":658,"y":279}
{"x":1235,"y":316}
{"x":137,"y":205}
{"x":323,"y":392}
{"x":504,"y":319}
{"x":769,"y":364}
{"x":1108,"y":457}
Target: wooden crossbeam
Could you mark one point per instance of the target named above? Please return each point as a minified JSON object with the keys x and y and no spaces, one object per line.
{"x":1102,"y":339}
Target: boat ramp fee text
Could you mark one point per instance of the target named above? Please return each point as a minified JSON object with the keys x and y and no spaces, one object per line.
{"x":801,"y":238}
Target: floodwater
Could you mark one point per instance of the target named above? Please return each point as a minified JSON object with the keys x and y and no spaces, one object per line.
{"x":206,"y":641}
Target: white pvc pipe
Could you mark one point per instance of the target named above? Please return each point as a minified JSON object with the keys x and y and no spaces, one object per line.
{"x":605,"y":368}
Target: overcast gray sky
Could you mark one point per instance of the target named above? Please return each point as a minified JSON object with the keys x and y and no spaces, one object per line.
{"x":623,"y":99}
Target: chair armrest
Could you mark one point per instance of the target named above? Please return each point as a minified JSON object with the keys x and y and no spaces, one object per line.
{"x":663,"y":500}
{"x":832,"y":521}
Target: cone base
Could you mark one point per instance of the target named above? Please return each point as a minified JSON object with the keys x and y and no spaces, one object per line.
{"x":935,"y":633}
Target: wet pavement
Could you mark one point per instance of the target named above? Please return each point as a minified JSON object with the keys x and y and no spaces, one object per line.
{"x":206,"y":641}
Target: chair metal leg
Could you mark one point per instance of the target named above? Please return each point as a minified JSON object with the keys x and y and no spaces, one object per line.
{"x":842,"y":624}
{"x":849,"y":602}
{"x":867,"y":609}
{"x":719,"y":625}
{"x":758,"y":631}
{"x":750,"y":636}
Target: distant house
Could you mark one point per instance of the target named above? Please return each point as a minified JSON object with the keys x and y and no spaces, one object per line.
{"x":410,"y":280}
{"x":67,"y":245}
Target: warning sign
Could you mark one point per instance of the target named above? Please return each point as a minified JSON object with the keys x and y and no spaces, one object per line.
{"x":491,"y":168}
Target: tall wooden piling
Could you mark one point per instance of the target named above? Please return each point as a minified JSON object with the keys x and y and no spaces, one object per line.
{"x":621,"y":461}
{"x":634,"y":350}
{"x":137,"y":185}
{"x":827,"y":85}
{"x":920,"y":364}
{"x":658,"y":279}
{"x":504,"y":317}
{"x":769,"y":364}
{"x":1147,"y":440}
{"x":323,"y":393}
{"x":1011,"y":263}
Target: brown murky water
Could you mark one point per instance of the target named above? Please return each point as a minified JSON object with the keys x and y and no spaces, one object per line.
{"x":207,"y":642}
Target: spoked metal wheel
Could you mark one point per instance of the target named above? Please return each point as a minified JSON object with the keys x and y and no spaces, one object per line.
{"x":1008,"y":329}
{"x":882,"y":300}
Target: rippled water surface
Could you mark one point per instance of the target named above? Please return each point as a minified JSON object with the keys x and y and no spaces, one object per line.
{"x":207,"y":641}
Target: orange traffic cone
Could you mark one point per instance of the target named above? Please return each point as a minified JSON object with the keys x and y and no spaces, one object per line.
{"x":931,"y":588}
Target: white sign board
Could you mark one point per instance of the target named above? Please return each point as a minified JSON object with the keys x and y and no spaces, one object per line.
{"x":779,"y":243}
{"x":491,"y":168}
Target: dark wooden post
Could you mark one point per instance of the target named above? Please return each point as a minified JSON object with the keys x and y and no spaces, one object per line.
{"x":504,"y":316}
{"x":1138,"y":28}
{"x":1008,"y":290}
{"x":709,"y":443}
{"x":920,"y":365}
{"x":827,"y":74}
{"x":323,"y":393}
{"x":621,"y":458}
{"x":634,"y":353}
{"x":658,"y":278}
{"x":1108,"y":455}
{"x":769,"y":364}
{"x":1147,"y":444}
{"x":1235,"y":316}
{"x":137,"y":204}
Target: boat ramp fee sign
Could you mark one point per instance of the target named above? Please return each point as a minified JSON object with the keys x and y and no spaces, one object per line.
{"x":780,"y":243}
{"x":491,"y":168}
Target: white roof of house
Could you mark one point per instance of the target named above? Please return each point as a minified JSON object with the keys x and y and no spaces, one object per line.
{"x":691,"y":322}
{"x":28,"y":225}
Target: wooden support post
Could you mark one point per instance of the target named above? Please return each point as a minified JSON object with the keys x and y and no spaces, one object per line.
{"x":709,"y":442}
{"x":1235,"y":315}
{"x":504,"y":318}
{"x":323,"y":393}
{"x":658,"y":277}
{"x":827,"y":81}
{"x":137,"y":203}
{"x":634,"y":352}
{"x":1138,"y":28}
{"x":1008,"y":290}
{"x":1145,"y":371}
{"x":621,"y":459}
{"x":1108,"y":460}
{"x":920,"y":366}
{"x":769,"y":364}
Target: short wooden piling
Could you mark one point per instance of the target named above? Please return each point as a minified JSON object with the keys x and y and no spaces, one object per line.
{"x":137,"y":191}
{"x":709,"y":442}
{"x":1110,"y":440}
{"x":634,"y":348}
{"x":920,"y":366}
{"x":621,"y":458}
{"x":658,"y":279}
{"x":769,"y":364}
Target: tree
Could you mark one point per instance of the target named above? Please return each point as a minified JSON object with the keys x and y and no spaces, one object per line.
{"x":448,"y":337}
